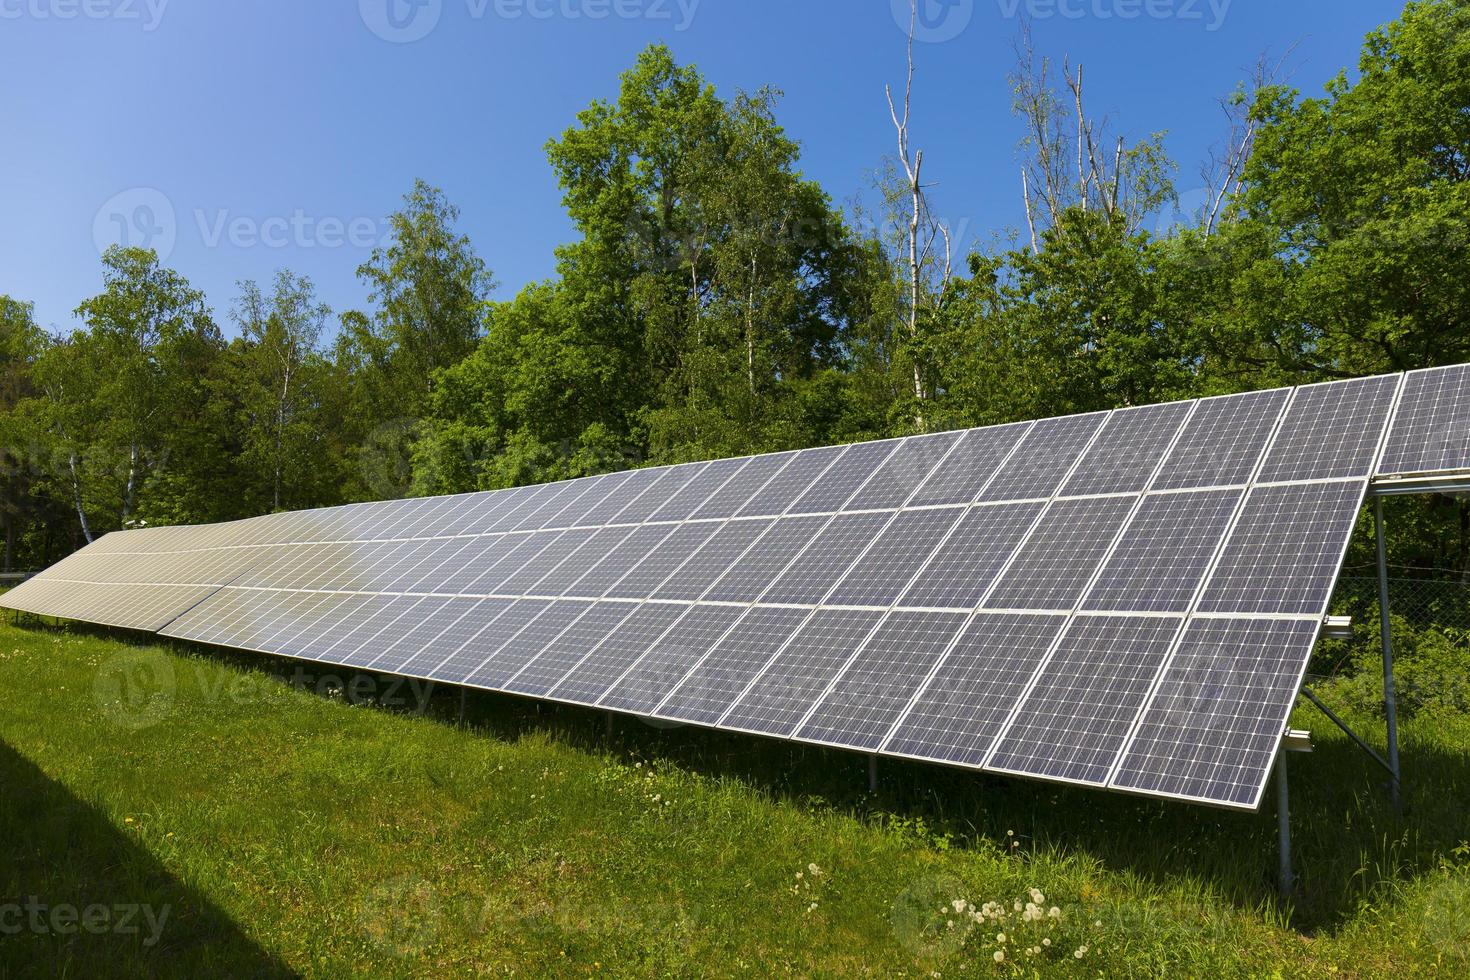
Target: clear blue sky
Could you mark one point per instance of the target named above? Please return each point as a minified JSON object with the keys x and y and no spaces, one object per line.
{"x":279,"y":131}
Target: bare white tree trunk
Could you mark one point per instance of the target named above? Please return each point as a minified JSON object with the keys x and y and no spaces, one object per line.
{"x":76,"y":491}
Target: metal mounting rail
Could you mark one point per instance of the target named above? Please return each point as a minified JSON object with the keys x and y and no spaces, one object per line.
{"x":1401,"y":486}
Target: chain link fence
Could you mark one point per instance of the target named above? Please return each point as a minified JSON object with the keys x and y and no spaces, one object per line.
{"x":1422,"y":603}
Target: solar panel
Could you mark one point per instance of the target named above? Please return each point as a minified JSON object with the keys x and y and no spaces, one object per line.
{"x":957,"y":714}
{"x":1046,"y":455}
{"x":1161,"y":559}
{"x":1129,"y":450}
{"x":962,"y":569}
{"x":1214,"y":727}
{"x":903,"y":472}
{"x":712,"y":685}
{"x":877,"y":684}
{"x":1431,"y":432}
{"x":784,"y":692}
{"x":970,"y":465}
{"x":1331,"y":430}
{"x":605,"y":661}
{"x":895,"y":558}
{"x":650,"y":678}
{"x":1287,"y":549}
{"x":1122,"y":599}
{"x":1223,"y":441}
{"x":1082,"y":706}
{"x":836,"y":549}
{"x":1053,"y":566}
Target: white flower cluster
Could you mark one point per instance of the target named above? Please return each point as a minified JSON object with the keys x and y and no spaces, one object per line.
{"x":1031,"y":921}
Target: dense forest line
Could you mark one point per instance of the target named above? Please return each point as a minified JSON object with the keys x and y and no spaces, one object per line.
{"x":718,"y":302}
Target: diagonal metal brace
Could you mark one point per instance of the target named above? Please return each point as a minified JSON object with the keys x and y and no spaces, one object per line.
{"x":1307,"y":692}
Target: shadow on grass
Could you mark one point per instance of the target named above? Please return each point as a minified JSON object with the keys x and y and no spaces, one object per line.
{"x":79,"y":898}
{"x":1349,"y":845}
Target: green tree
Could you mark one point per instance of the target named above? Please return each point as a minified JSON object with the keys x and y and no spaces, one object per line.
{"x":278,"y":378}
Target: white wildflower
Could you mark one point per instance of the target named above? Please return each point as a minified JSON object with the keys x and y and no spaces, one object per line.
{"x":1000,"y":957}
{"x":1037,"y":897}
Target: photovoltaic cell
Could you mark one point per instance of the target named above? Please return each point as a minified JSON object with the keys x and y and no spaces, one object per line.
{"x":717,"y":556}
{"x":390,"y":633}
{"x":869,"y":696}
{"x":1331,"y":430}
{"x":526,"y":579}
{"x":424,"y":627}
{"x":440,"y":648}
{"x":757,"y":472}
{"x":1162,"y":558}
{"x":967,"y":563}
{"x":588,"y":681}
{"x":903,"y":472}
{"x":833,"y":488}
{"x":1431,"y":432}
{"x":895,"y":558}
{"x":567,"y":650}
{"x":653,"y":676}
{"x":673,"y":481}
{"x":781,"y":491}
{"x":682,"y":505}
{"x":712,"y":686}
{"x":1129,"y":450}
{"x":960,"y":712}
{"x":596,"y":548}
{"x":1216,"y":721}
{"x":747,"y":579}
{"x":524,"y":547}
{"x":1048,"y":452}
{"x":518,"y":651}
{"x":497,"y":626}
{"x":830,"y":555}
{"x":783,"y":694}
{"x":1052,"y":568}
{"x":678,"y":548}
{"x":614,"y":501}
{"x":1286,"y":550}
{"x":1223,"y":441}
{"x":1073,"y":723}
{"x":629,"y":554}
{"x":970,"y":465}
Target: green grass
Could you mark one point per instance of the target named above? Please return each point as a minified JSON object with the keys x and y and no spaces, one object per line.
{"x":291,"y":832}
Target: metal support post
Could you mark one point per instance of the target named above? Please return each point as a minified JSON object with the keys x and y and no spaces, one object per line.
{"x":1284,"y":878}
{"x":609,"y":724}
{"x":1389,"y":701}
{"x":872,"y":774}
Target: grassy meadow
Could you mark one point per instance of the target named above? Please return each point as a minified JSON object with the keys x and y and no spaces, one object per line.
{"x":265,"y":818}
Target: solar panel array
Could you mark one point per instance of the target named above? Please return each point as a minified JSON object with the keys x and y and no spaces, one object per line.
{"x":1125,"y":599}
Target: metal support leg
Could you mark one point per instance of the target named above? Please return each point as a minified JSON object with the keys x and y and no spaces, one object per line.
{"x":1284,"y":878}
{"x":1390,"y":703}
{"x":609,"y":724}
{"x":872,"y":774}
